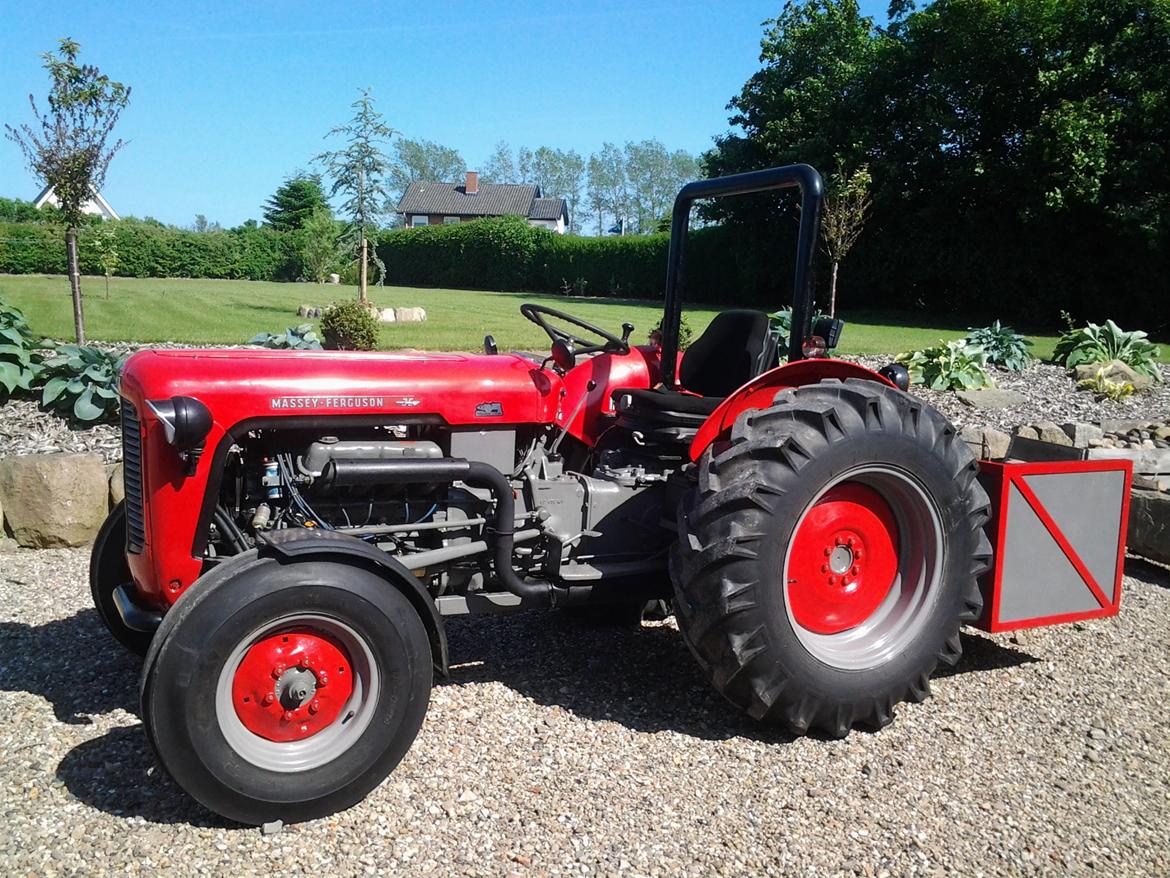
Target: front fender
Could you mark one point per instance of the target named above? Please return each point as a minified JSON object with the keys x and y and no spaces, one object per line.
{"x":762,"y":390}
{"x":294,"y":544}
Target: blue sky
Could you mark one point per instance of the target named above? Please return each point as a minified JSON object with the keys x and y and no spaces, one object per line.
{"x":230,"y":98}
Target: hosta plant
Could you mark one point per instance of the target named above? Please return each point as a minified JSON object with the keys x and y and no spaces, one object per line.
{"x":1104,"y":387}
{"x":1002,"y":346}
{"x":82,"y":382}
{"x":1100,"y":344}
{"x":952,"y":365}
{"x":18,"y":369}
{"x":295,"y":338}
{"x":781,"y":326}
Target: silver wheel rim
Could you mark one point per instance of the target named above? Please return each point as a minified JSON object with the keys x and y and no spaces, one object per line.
{"x":900,"y":618}
{"x":329,"y":743}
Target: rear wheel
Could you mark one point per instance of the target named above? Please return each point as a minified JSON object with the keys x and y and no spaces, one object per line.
{"x":107,"y":570}
{"x":829,"y":555}
{"x":286,"y":691}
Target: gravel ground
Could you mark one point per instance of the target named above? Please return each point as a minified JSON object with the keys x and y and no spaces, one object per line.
{"x":1049,"y":395}
{"x":564,"y":750}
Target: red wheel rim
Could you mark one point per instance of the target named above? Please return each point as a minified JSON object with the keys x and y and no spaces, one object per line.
{"x":292,"y":684}
{"x":843,"y":559}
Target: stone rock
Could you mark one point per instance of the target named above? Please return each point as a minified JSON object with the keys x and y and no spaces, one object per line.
{"x":54,"y":500}
{"x":1146,"y":461}
{"x":1162,"y":432}
{"x":117,"y":487}
{"x":334,"y":278}
{"x":410,"y":315}
{"x":1115,"y":371}
{"x":973,"y":436}
{"x":1152,"y":483}
{"x":7,"y":544}
{"x":1047,"y":431}
{"x":995,"y":444}
{"x":1149,"y":525}
{"x":1027,"y":433}
{"x":990,"y":399}
{"x":386,"y":315}
{"x":1084,"y":435}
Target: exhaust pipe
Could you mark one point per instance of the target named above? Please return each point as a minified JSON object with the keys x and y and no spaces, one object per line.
{"x":357,"y":473}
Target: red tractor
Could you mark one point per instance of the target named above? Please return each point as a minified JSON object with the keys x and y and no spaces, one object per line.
{"x":298,"y":524}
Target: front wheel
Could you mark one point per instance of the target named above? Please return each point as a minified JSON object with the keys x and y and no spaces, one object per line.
{"x":108,"y":570}
{"x":286,"y":691}
{"x":829,"y":556}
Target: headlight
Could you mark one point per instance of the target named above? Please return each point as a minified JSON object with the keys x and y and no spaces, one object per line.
{"x":186,"y":421}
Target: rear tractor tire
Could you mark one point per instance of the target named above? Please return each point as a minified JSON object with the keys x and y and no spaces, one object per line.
{"x":285,"y":691}
{"x":829,"y":556}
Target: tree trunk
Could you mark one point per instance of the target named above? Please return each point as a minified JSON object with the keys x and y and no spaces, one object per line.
{"x":362,"y":273}
{"x":107,"y":286}
{"x":75,"y":285}
{"x":833,"y":291}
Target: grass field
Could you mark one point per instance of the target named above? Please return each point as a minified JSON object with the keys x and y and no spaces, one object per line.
{"x":229,"y":311}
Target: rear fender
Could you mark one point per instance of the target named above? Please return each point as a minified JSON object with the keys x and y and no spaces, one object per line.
{"x":761,"y":391}
{"x":300,"y":544}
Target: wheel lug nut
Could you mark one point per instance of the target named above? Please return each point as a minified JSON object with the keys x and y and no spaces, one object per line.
{"x":855,"y":570}
{"x":268,"y":699}
{"x":322,"y":680}
{"x":306,"y":662}
{"x":314,"y":706}
{"x":287,"y":716}
{"x":857,"y":554}
{"x":824,"y":568}
{"x":851,"y":542}
{"x":828,"y":551}
{"x":277,"y":670}
{"x":832,"y":580}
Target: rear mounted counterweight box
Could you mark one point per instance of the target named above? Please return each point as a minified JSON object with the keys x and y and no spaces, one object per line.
{"x":1058,"y":530}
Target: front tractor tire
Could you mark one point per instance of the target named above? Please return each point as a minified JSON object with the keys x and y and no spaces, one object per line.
{"x":285,"y":691}
{"x":829,"y":555}
{"x":108,"y":570}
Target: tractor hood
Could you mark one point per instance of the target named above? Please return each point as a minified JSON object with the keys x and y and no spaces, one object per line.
{"x":241,"y":385}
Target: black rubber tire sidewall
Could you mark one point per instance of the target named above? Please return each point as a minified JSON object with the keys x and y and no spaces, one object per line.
{"x":107,"y":570}
{"x":181,"y":676}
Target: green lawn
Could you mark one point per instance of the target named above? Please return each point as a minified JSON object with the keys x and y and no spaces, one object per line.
{"x":228,"y":311}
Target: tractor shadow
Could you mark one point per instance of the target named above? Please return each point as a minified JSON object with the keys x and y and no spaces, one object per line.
{"x":642,"y":678}
{"x":81,"y":672}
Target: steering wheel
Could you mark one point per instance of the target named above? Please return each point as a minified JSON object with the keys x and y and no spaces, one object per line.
{"x":613,"y":344}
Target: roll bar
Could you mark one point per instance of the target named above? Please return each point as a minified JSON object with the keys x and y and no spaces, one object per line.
{"x":812,"y":193}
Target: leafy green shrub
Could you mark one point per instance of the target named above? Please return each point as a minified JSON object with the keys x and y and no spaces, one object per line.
{"x":18,"y":369}
{"x":349,"y":326}
{"x":295,"y":338}
{"x":82,"y":381}
{"x":781,"y":326}
{"x":952,"y":365}
{"x":685,"y":333}
{"x":1100,"y":344}
{"x":1002,"y":346}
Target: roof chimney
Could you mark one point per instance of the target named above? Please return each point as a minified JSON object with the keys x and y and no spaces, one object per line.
{"x":472,"y":186}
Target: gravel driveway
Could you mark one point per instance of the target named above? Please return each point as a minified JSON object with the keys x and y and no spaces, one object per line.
{"x":565,"y":750}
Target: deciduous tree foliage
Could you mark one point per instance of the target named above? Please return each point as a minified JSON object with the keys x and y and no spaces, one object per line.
{"x":69,"y":146}
{"x":424,"y":160}
{"x":1018,"y":149}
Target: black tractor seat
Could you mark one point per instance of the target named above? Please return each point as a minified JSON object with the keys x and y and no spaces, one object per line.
{"x":737,"y":346}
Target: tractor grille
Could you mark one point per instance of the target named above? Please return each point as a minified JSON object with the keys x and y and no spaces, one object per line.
{"x":132,"y":476}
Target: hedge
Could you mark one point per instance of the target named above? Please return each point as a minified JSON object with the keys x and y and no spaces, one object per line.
{"x":496,"y":254}
{"x":147,"y":249}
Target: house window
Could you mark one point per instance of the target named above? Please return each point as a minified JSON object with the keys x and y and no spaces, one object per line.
{"x":418,"y":219}
{"x":447,"y":220}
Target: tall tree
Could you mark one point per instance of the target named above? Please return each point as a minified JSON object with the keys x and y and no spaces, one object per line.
{"x":607,"y":187}
{"x":297,"y":199}
{"x":359,"y":170}
{"x":69,"y":147}
{"x":560,"y":174}
{"x":500,"y":166}
{"x":424,"y":160}
{"x":317,"y":245}
{"x":845,"y":211}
